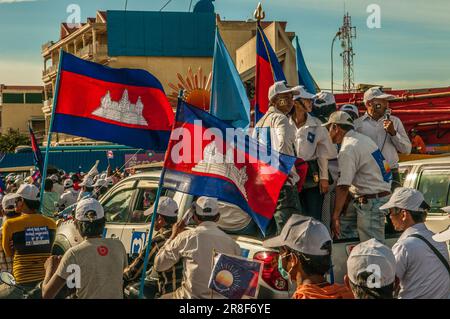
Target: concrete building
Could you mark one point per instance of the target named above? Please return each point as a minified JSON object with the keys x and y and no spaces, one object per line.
{"x":20,"y":106}
{"x":166,"y":44}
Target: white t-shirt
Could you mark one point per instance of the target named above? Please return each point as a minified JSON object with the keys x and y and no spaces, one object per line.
{"x":421,"y":273}
{"x":232,"y":217}
{"x":361,"y":165}
{"x":69,"y":197}
{"x":101,"y":262}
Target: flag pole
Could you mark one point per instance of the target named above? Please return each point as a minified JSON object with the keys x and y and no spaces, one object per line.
{"x":259,"y":15}
{"x":50,"y":127}
{"x":155,"y":208}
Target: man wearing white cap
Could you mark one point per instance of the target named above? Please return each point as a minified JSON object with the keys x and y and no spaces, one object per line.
{"x":100,"y":261}
{"x":9,"y":212}
{"x":443,"y":235}
{"x":351,"y":109}
{"x":422,"y":265}
{"x":362,"y":173}
{"x":87,"y":187}
{"x":275,"y":130}
{"x":169,"y":280}
{"x":323,"y":106}
{"x":313,"y":145}
{"x":305,"y":259}
{"x":29,"y":239}
{"x":69,"y":197}
{"x":195,"y":247}
{"x":57,"y":187}
{"x":385,"y":130}
{"x":371,"y":271}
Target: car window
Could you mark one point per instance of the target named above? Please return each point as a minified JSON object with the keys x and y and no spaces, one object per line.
{"x":435,"y":186}
{"x":145,"y":199}
{"x":117,"y":206}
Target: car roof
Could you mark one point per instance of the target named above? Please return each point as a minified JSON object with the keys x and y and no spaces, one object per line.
{"x":434,"y":160}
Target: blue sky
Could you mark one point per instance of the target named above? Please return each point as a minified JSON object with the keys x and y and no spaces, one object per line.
{"x":410,"y":50}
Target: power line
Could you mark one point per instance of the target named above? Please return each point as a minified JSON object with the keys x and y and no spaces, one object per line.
{"x":126,"y":4}
{"x":190,"y":5}
{"x":165,"y":5}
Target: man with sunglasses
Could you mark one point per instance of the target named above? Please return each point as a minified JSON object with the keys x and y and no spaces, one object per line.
{"x":385,"y":130}
{"x":422,"y":264}
{"x":29,"y":239}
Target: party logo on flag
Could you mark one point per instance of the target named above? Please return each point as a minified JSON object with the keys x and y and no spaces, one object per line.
{"x":383,"y":165}
{"x":235,"y":277}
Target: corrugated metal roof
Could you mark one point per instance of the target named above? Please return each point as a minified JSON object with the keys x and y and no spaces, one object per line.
{"x":70,"y":161}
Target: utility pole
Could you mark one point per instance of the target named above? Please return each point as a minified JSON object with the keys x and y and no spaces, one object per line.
{"x":347,"y":33}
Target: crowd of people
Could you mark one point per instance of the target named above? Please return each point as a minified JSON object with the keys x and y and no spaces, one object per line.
{"x":349,"y":188}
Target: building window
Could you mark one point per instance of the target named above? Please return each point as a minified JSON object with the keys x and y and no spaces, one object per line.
{"x":34,"y":98}
{"x":13,"y":98}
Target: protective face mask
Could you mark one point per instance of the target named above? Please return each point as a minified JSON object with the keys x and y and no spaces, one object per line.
{"x":282,"y":102}
{"x":282,"y":271}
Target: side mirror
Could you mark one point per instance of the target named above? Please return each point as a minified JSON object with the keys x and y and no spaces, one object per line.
{"x":7,"y":278}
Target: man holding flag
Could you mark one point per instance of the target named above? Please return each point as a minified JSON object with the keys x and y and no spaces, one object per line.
{"x":275,"y":131}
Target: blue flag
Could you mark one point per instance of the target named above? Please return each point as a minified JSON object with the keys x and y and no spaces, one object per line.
{"x":304,"y":77}
{"x":229,"y":101}
{"x":235,"y":277}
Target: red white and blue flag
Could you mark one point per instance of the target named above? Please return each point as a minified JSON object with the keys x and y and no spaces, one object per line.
{"x":268,"y":71}
{"x":37,"y":155}
{"x":124,"y":106}
{"x":205,"y":159}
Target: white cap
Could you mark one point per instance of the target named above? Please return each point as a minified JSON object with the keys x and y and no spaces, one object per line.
{"x":376,"y":93}
{"x":101,"y":183}
{"x":88,"y":210}
{"x":8,"y":200}
{"x":68,"y":183}
{"x":303,"y":234}
{"x":349,"y":108}
{"x":303,"y":94}
{"x":54,"y":178}
{"x":371,"y":256}
{"x":445,"y":234}
{"x":280,"y":87}
{"x":324,"y":98}
{"x":27,"y":191}
{"x":166,"y":207}
{"x":110,"y":181}
{"x":87,"y":181}
{"x":340,"y":117}
{"x":206,"y":206}
{"x":405,"y":198}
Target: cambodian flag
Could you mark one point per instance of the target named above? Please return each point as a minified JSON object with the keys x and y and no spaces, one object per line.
{"x":208,"y":157}
{"x":2,"y":186}
{"x":124,"y":106}
{"x":268,"y":71}
{"x":37,"y":155}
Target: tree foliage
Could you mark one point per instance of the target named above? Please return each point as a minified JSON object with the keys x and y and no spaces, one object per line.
{"x":12,"y":139}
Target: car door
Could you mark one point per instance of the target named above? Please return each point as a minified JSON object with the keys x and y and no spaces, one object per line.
{"x":434,"y":183}
{"x":117,"y":207}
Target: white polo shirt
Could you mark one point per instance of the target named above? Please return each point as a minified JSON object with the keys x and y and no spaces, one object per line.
{"x":393,"y":145}
{"x":312,"y":142}
{"x":280,"y":136}
{"x":421,"y":273}
{"x":361,"y":165}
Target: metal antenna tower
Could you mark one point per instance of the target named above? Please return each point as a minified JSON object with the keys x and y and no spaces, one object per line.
{"x":347,"y":33}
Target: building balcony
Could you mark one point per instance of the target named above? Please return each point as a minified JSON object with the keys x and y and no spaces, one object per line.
{"x":50,"y":71}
